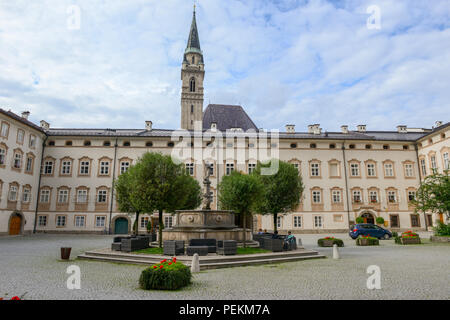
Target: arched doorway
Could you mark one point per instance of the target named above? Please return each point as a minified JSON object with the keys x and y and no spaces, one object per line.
{"x":368,"y":218}
{"x":121,"y":226}
{"x":15,"y":224}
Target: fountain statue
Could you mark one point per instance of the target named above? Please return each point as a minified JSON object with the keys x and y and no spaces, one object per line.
{"x":205,"y":223}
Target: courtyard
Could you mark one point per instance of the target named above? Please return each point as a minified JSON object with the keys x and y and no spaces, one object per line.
{"x":30,"y":265}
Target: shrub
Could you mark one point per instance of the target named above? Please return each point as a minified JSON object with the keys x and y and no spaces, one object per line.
{"x":442,"y":229}
{"x":380,"y":220}
{"x":395,"y":234}
{"x":339,"y":242}
{"x":359,"y":220}
{"x":166,"y":275}
{"x":371,"y":240}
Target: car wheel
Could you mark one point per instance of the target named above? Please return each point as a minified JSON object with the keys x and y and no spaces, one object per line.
{"x":386,"y":237}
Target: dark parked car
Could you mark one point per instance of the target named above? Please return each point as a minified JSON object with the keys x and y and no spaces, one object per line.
{"x":368,"y":229}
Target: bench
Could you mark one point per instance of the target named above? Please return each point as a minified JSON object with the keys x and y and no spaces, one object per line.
{"x":200,"y":250}
{"x":173,"y":247}
{"x":227,"y":247}
{"x":210,"y":243}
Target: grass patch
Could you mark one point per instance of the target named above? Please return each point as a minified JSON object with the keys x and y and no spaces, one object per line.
{"x":251,"y":250}
{"x":150,"y":251}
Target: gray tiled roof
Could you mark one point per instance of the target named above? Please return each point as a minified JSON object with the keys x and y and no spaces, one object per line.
{"x":20,"y":119}
{"x":227,"y":117}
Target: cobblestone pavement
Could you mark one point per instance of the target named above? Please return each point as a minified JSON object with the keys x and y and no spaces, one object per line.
{"x":31,"y":265}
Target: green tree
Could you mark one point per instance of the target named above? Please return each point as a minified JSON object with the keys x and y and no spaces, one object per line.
{"x":123,"y":186}
{"x":155,"y":182}
{"x":282,"y":190}
{"x":240,"y":193}
{"x":434,"y":194}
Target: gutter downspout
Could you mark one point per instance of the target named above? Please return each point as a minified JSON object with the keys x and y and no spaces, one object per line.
{"x":112,"y":187}
{"x":420,"y":181}
{"x":346,"y":184}
{"x":36,"y":210}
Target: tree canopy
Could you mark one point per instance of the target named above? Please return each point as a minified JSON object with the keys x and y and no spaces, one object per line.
{"x":281,"y":191}
{"x":156,"y":183}
{"x":240,"y":193}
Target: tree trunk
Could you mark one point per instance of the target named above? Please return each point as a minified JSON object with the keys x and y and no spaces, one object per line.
{"x":161,"y":225}
{"x":275,"y":227}
{"x":244,"y":228}
{"x":136,"y":232}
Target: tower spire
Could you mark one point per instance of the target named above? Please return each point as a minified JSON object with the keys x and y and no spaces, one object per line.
{"x":193,"y":44}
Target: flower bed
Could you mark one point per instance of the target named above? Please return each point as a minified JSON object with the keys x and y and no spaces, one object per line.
{"x":367,"y":241}
{"x":166,"y":275}
{"x":329,"y":242}
{"x":408,"y":237}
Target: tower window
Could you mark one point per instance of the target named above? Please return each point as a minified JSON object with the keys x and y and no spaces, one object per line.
{"x":192,"y":85}
{"x":193,"y":59}
{"x":192,"y":109}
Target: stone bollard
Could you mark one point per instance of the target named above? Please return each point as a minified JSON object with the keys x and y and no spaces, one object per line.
{"x":195,"y":265}
{"x":335,"y":252}
{"x":300,"y":242}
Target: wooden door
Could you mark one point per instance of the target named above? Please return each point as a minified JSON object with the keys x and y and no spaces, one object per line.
{"x":15,"y":225}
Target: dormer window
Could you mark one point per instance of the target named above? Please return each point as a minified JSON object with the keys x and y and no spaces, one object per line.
{"x":192,"y":85}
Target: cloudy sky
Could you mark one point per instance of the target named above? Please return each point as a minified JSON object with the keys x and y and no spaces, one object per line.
{"x":285,"y":61}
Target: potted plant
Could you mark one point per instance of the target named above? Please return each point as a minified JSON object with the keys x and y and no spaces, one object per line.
{"x":408,"y":237}
{"x":360,"y":220}
{"x":380,"y":220}
{"x":166,"y":275}
{"x":441,"y":232}
{"x":329,"y":242}
{"x":367,"y":241}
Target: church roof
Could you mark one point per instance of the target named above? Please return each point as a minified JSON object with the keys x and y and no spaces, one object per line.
{"x":227,"y":117}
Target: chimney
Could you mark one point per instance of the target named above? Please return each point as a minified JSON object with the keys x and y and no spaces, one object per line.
{"x":438,"y":124}
{"x":361,"y":128}
{"x":45,"y":125}
{"x":148,"y":125}
{"x":317,"y":129}
{"x":25,"y":114}
{"x":290,"y":128}
{"x":214,"y":126}
{"x":344,"y":129}
{"x":402,"y":129}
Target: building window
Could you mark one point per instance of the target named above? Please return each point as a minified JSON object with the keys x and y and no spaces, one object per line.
{"x":60,"y":221}
{"x":29,"y":165}
{"x":211,"y":169}
{"x":82,"y":196}
{"x":192,"y":109}
{"x":357,"y":196}
{"x":373,"y":196}
{"x":192,"y":85}
{"x":371,"y":170}
{"x":5,"y":130}
{"x":48,"y":168}
{"x":126,"y":144}
{"x":100,"y":221}
{"x":149,"y":144}
{"x":190,"y":169}
{"x":368,"y":146}
{"x":2,"y":156}
{"x":279,"y":221}
{"x":251,"y":167}
{"x":80,"y":221}
{"x":106,"y":143}
{"x":423,"y":167}
{"x":433,"y":162}
{"x":17,"y":160}
{"x":42,"y":221}
{"x":352,"y":146}
{"x":102,"y":196}
{"x":66,"y":167}
{"x":332,"y":146}
{"x":104,"y":168}
{"x":392,"y":196}
{"x":26,"y":197}
{"x":32,"y":143}
{"x":87,"y":143}
{"x":411,"y":196}
{"x":415,"y":223}
{"x":69,"y":143}
{"x":297,"y":221}
{"x":334,"y":170}
{"x":386,"y":147}
{"x":20,"y":136}
{"x":168,"y":221}
{"x":124,"y":166}
{"x":12,"y":193}
{"x":409,"y":170}
{"x":336,"y":196}
{"x":317,"y":196}
{"x":51,"y":143}
{"x":63,"y":196}
{"x":293,"y":145}
{"x":446,"y":161}
{"x":45,"y":196}
{"x":318,"y":222}
{"x":84,"y":168}
{"x":315,"y":172}
{"x":313,"y":146}
{"x":354,"y":170}
{"x":144,"y":222}
{"x":229,"y":168}
{"x":388,"y":170}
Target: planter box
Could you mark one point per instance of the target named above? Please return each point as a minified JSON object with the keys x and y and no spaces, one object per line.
{"x":367,"y":242}
{"x":327,"y":243}
{"x":410,"y":241}
{"x":440,"y":239}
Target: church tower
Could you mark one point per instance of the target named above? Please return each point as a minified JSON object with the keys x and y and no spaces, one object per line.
{"x":192,"y":75}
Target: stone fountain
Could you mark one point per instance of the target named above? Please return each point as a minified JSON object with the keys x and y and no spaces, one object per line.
{"x":205,"y":223}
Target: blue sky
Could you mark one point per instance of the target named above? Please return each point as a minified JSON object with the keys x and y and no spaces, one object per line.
{"x":285,"y":61}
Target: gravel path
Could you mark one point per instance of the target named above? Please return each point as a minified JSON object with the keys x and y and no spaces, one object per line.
{"x":31,"y":265}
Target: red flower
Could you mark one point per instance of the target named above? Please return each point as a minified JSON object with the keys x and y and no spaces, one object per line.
{"x":161,"y":267}
{"x":15,"y":298}
{"x":174,"y":260}
{"x":154,"y":267}
{"x":170,"y":263}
